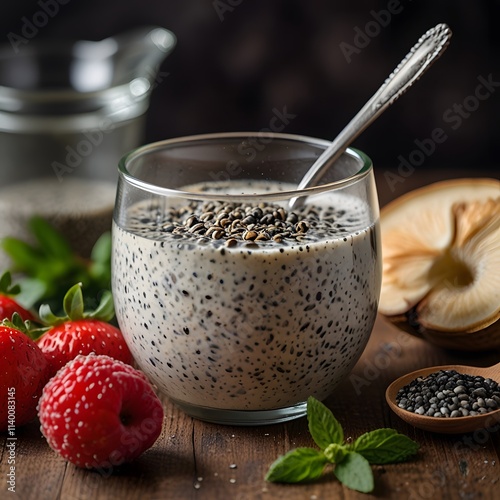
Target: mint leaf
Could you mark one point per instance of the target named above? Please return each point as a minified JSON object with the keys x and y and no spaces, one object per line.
{"x":54,"y":267}
{"x":335,"y":453}
{"x":355,"y":473}
{"x":384,"y":446}
{"x":49,"y":240}
{"x":301,"y":464}
{"x":352,"y":461}
{"x":24,"y":257}
{"x":323,"y":426}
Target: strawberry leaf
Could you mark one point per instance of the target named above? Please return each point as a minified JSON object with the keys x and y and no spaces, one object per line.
{"x":74,"y":307}
{"x":48,"y":318}
{"x":5,"y":285}
{"x":26,"y":327}
{"x":73,"y":302}
{"x":105,"y":311}
{"x":16,"y":322}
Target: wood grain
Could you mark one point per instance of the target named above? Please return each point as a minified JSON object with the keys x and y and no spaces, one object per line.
{"x":197,"y":460}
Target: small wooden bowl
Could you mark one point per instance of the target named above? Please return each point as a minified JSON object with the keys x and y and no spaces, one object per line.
{"x":457,"y":425}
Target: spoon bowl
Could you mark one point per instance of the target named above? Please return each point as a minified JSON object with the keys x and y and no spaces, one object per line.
{"x":445,"y":425}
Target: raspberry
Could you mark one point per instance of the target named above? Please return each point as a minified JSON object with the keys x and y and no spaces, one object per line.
{"x":98,"y":412}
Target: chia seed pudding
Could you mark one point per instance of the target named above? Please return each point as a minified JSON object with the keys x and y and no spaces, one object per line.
{"x":246,"y":306}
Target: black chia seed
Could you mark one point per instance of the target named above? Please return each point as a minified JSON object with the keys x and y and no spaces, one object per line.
{"x":447,"y":393}
{"x":234,"y":224}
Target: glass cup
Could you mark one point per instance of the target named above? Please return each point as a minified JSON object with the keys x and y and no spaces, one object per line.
{"x":236,"y":307}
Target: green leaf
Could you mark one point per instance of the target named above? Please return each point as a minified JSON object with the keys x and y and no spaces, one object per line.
{"x":355,"y":473}
{"x":5,"y":285}
{"x":323,"y":426}
{"x":73,"y":302}
{"x":48,"y":318}
{"x":301,"y":464}
{"x":53,"y":266}
{"x":100,"y":261}
{"x":24,"y":257}
{"x":335,"y":453}
{"x":51,"y":242}
{"x":32,"y":290}
{"x":101,"y":251}
{"x":16,"y":322}
{"x":27,"y":327}
{"x":105,"y":311}
{"x":384,"y":446}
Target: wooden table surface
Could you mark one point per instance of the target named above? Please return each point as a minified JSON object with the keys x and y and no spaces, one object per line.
{"x":197,"y":460}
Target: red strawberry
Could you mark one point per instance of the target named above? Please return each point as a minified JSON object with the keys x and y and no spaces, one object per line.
{"x":8,"y":306}
{"x":23,"y":373}
{"x":99,"y":413}
{"x":81,"y":332}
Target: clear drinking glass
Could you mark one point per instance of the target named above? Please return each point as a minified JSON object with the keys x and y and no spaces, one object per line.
{"x":236,"y":307}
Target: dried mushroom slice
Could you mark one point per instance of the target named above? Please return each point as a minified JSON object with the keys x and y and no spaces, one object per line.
{"x":441,"y":255}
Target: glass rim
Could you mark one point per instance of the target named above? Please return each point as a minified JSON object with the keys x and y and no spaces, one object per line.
{"x":364,"y":171}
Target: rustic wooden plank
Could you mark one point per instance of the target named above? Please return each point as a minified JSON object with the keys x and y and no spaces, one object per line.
{"x":446,"y":467}
{"x":38,"y":471}
{"x":164,"y":471}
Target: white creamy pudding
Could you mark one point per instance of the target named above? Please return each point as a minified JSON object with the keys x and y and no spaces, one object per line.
{"x":246,"y":306}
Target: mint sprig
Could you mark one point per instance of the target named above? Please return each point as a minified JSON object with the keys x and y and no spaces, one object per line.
{"x":351,"y":461}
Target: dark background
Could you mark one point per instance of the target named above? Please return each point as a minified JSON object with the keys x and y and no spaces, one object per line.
{"x":237,"y":60}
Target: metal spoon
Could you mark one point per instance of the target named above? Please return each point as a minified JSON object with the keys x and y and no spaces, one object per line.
{"x":428,"y":49}
{"x":446,"y":425}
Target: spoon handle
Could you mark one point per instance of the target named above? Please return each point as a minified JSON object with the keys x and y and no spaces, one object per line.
{"x":428,"y":49}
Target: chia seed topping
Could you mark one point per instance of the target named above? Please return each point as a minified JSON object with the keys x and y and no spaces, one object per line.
{"x":447,"y":393}
{"x":238,"y":223}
